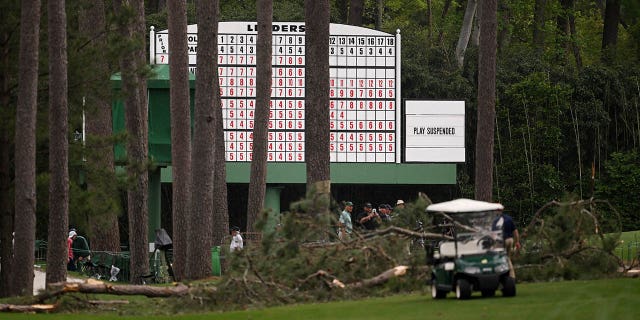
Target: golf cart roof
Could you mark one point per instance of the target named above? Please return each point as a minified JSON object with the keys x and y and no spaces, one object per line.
{"x":464,"y":205}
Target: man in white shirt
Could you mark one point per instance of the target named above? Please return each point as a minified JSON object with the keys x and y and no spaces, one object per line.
{"x":236,"y":239}
{"x":345,"y":227}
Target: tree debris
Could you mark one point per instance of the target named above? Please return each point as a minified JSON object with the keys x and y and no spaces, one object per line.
{"x":27,"y":308}
{"x":96,"y":286}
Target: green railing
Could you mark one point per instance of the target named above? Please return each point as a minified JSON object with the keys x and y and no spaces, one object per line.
{"x":40,"y":251}
{"x":101,"y":262}
{"x":628,"y":251}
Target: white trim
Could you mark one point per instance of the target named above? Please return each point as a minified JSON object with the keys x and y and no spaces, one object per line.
{"x":152,"y":45}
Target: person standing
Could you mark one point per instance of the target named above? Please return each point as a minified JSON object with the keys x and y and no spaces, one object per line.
{"x":384,"y":211}
{"x":369,"y":218}
{"x":510,"y":235}
{"x":236,"y":240}
{"x":71,"y":264}
{"x":345,"y":226}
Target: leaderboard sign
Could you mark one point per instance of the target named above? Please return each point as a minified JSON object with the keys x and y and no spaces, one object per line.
{"x":364,"y":90}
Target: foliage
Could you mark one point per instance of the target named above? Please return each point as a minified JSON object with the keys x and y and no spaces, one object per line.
{"x":295,"y":263}
{"x":566,"y":240}
{"x":620,"y":181}
{"x":529,"y":142}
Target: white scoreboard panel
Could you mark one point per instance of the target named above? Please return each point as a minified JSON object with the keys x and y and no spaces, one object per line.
{"x":364,"y":90}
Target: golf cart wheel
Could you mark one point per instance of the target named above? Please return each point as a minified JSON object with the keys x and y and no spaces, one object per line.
{"x":509,"y":287}
{"x":463,"y":289}
{"x":436,"y":293}
{"x":488,"y":293}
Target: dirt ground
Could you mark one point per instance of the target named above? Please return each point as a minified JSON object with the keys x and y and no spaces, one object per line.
{"x":39,"y":279}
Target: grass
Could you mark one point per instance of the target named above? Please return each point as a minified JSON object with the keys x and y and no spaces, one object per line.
{"x":594,"y":299}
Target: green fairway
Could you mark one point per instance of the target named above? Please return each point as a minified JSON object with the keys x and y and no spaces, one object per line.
{"x":597,"y":299}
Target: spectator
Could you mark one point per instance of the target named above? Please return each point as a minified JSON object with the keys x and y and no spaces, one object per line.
{"x":71,"y":263}
{"x":368,"y":218}
{"x":236,"y":239}
{"x":384,"y":210}
{"x":345,"y":227}
{"x":400,"y":204}
{"x":510,"y":235}
{"x":80,"y":249}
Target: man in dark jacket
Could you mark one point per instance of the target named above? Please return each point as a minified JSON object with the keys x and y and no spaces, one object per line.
{"x":369,"y":218}
{"x":510,"y":236}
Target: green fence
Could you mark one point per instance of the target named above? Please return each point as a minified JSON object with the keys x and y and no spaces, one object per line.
{"x":101,"y":263}
{"x":628,"y":251}
{"x":40,"y":251}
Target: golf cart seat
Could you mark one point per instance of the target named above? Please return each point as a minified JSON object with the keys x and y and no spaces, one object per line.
{"x":448,"y":249}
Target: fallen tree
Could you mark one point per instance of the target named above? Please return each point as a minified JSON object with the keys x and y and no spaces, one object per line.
{"x":93,"y":286}
{"x":27,"y":308}
{"x":96,"y":286}
{"x":570,"y":239}
{"x":304,"y":261}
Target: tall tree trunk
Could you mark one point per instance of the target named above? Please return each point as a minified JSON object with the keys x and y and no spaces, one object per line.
{"x":220,"y":202}
{"x":134,"y":89}
{"x":563,"y":28}
{"x":103,"y":227}
{"x":58,"y":144}
{"x":342,"y":10}
{"x":539,"y":19}
{"x":25,"y":153}
{"x":486,"y":101}
{"x":138,"y":199}
{"x":475,"y":33}
{"x":220,"y":210}
{"x":156,"y":6}
{"x":380,"y":13}
{"x":465,"y":31}
{"x":574,"y":44}
{"x":258,"y":181}
{"x":610,"y":30}
{"x":567,"y":31}
{"x":429,"y":23}
{"x":445,"y":11}
{"x":356,"y":8}
{"x":6,"y":214}
{"x":317,"y":104}
{"x":6,"y":145}
{"x":207,"y":110}
{"x":504,"y":34}
{"x":180,"y":134}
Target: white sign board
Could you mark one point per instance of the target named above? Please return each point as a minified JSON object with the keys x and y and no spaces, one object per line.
{"x":364,"y":90}
{"x":434,"y":131}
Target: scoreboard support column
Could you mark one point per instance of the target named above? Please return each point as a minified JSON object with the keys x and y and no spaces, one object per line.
{"x":398,"y":99}
{"x":272,"y":203}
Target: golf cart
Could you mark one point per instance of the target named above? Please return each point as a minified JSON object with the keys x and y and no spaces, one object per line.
{"x":475,"y":258}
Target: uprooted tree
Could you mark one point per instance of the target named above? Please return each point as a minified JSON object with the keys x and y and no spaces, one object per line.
{"x":302,"y":261}
{"x":571,"y":239}
{"x":566,"y":239}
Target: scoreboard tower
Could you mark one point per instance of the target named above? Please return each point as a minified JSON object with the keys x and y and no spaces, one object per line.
{"x":365,"y":109}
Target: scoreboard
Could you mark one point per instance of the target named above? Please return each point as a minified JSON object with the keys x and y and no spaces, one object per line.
{"x":364,"y":108}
